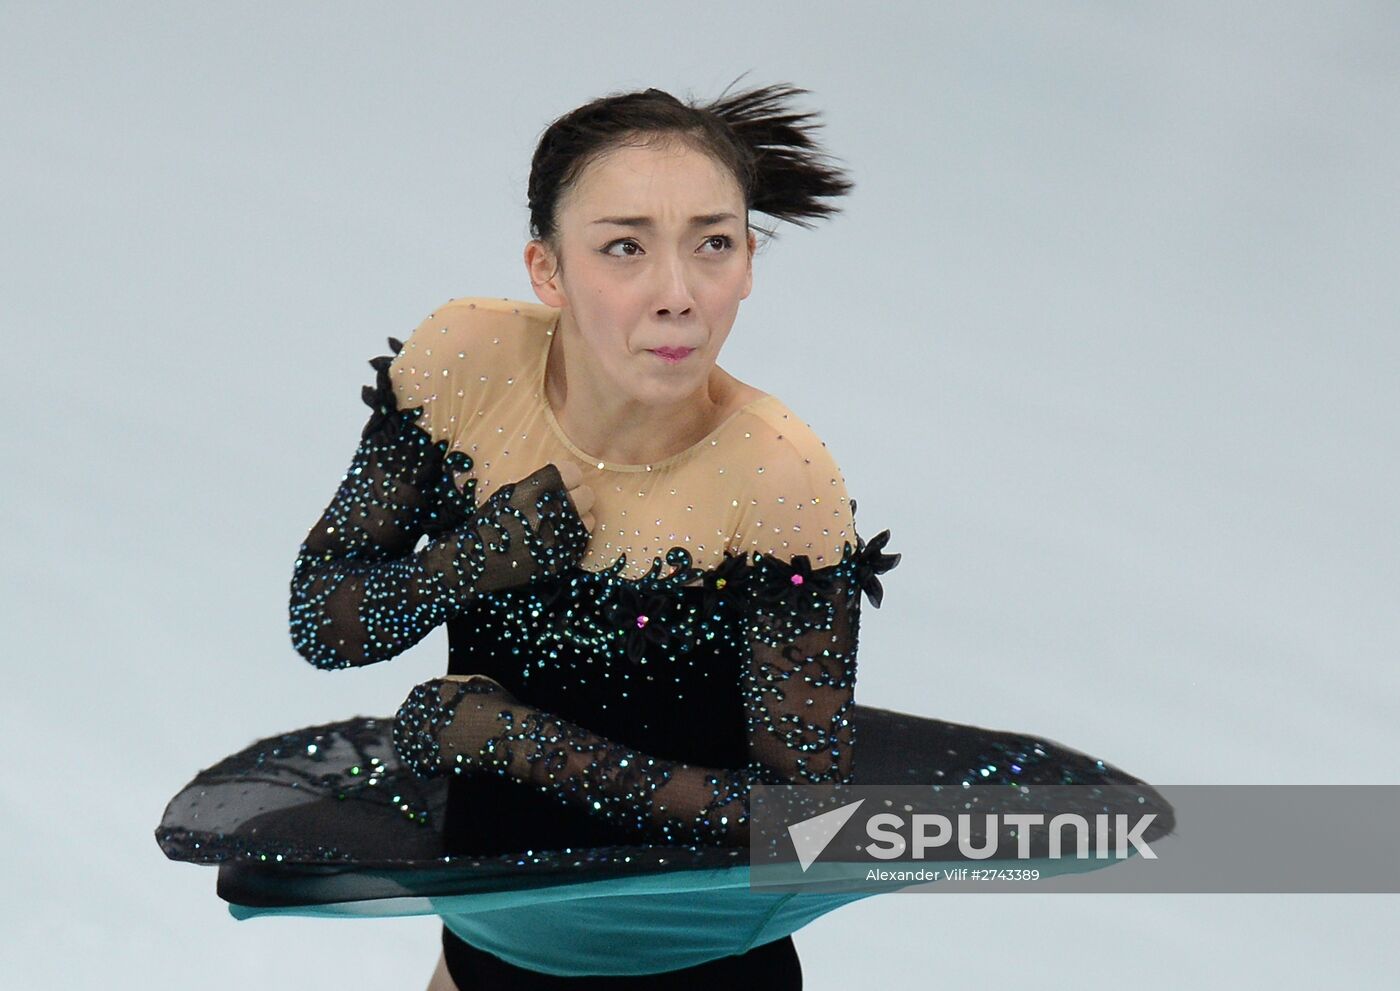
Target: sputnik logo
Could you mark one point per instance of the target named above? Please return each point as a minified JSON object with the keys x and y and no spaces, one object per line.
{"x":811,"y":836}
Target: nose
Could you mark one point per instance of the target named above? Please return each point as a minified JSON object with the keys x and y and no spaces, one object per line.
{"x":673,"y":291}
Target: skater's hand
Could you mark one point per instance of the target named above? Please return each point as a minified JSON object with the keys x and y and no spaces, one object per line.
{"x":580,"y":495}
{"x":451,"y":724}
{"x":537,"y":527}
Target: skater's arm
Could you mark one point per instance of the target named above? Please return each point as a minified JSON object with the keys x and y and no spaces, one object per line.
{"x":360,"y":593}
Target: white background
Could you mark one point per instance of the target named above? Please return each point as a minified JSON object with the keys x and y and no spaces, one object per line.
{"x":1106,"y":337}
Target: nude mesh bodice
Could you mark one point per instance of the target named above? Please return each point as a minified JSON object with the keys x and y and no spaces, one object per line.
{"x":761,"y":481}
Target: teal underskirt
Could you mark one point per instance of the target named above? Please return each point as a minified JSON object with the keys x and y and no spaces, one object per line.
{"x":664,"y":921}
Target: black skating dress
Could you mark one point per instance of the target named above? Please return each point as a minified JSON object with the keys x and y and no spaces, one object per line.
{"x":700,"y":641}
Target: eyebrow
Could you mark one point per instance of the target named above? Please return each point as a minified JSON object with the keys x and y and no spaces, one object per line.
{"x":702,"y":220}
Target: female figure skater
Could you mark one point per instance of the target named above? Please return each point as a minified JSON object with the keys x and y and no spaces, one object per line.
{"x":605,"y":436}
{"x":651,"y":580}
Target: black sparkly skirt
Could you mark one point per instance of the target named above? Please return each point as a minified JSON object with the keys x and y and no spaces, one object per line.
{"x":325,"y":821}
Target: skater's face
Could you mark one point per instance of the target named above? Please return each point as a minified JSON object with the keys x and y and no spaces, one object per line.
{"x":656,"y":253}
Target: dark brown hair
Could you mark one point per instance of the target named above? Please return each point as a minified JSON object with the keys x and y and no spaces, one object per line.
{"x":768,"y":148}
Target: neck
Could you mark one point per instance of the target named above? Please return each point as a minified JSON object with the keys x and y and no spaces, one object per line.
{"x":615,"y":427}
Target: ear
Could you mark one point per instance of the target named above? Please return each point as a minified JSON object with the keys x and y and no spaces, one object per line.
{"x":541,"y":266}
{"x":752,"y":240}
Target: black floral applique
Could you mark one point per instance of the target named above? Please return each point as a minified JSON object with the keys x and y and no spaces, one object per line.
{"x":726,"y":581}
{"x":870,"y":561}
{"x":643,"y":617}
{"x":792,"y":584}
{"x":787,"y":598}
{"x":380,"y":398}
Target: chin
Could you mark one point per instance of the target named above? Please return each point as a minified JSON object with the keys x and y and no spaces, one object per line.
{"x":673,"y":391}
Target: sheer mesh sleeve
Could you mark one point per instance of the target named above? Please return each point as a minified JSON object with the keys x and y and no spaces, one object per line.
{"x":360,"y":593}
{"x":802,"y":627}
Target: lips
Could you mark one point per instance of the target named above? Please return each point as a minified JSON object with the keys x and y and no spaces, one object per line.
{"x":672,"y":354}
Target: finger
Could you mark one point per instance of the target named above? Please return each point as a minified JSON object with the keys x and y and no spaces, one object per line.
{"x":583,"y":498}
{"x":570,"y":474}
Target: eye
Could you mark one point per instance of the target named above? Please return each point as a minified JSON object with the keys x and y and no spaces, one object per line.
{"x":724,"y":239}
{"x":607,"y":249}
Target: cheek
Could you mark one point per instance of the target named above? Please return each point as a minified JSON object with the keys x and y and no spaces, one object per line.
{"x":728,"y":284}
{"x":617,"y":323}
{"x":737,"y":275}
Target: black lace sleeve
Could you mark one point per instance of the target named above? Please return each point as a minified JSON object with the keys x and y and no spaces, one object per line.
{"x":799,"y":692}
{"x":360,"y":593}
